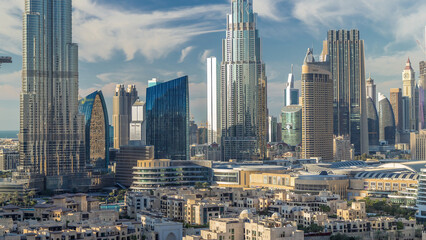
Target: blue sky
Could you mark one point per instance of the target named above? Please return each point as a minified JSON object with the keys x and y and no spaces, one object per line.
{"x":133,"y":41}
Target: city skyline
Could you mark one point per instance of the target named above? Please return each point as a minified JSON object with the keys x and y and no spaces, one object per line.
{"x":103,"y":72}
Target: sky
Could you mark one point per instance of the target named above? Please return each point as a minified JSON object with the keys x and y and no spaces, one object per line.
{"x":132,"y":41}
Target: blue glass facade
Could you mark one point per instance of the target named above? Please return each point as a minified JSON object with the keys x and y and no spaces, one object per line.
{"x":167,"y":112}
{"x":97,"y":129}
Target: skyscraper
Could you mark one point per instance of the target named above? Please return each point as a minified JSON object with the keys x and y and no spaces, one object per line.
{"x":422,"y":90}
{"x":213,"y":104}
{"x":291,"y":124}
{"x":291,"y":94}
{"x":409,"y":90}
{"x":317,"y":109}
{"x":93,"y":107}
{"x":243,"y":87}
{"x":51,"y":129}
{"x":346,"y":55}
{"x":396,"y":102}
{"x":373,"y":123}
{"x":138,"y":124}
{"x":122,"y":103}
{"x":272,"y":129}
{"x":386,"y":120}
{"x":371,"y":89}
{"x":167,"y":116}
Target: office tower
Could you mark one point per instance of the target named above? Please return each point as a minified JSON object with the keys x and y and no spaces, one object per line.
{"x":291,"y":94}
{"x":127,"y":158}
{"x":213,"y":104}
{"x":422,"y":90}
{"x":291,"y":124}
{"x":272,"y":129}
{"x":317,"y":109}
{"x":9,"y":159}
{"x":122,"y":103}
{"x":279,"y":133}
{"x":396,"y":102}
{"x":243,"y":87}
{"x":409,"y":91}
{"x":193,"y":130}
{"x":167,"y":116}
{"x":345,"y":51}
{"x":386,"y":120}
{"x":342,"y":149}
{"x":94,"y":109}
{"x":51,"y":129}
{"x":373,"y":123}
{"x":418,"y":145}
{"x":371,"y":89}
{"x":138,"y":124}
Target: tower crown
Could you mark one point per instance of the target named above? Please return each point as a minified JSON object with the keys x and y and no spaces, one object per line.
{"x":408,"y":65}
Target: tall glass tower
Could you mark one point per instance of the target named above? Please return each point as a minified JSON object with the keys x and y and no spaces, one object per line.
{"x":51,"y":130}
{"x":167,"y":116}
{"x":243,"y":82}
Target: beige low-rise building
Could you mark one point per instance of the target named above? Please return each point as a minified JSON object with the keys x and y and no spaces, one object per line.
{"x":357,"y":211}
{"x":272,"y":181}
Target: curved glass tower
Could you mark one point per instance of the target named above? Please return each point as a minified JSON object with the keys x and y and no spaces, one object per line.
{"x":243,"y":81}
{"x":373,"y":122}
{"x":291,"y":119}
{"x":95,"y":113}
{"x":51,"y":129}
{"x":386,"y":120}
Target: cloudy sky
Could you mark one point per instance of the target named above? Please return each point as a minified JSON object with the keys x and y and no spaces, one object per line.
{"x":132,"y":41}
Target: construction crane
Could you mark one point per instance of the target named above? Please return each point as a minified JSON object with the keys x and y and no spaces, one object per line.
{"x":4,"y":59}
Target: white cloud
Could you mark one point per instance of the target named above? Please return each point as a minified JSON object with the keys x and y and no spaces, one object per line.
{"x":268,"y":9}
{"x":9,"y":92}
{"x":206,"y":53}
{"x":185,"y":53}
{"x":11,"y":26}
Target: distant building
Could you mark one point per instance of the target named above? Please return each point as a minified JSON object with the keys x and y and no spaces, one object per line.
{"x":371,"y":89}
{"x":291,"y":94}
{"x":373,"y":123}
{"x":272,"y":129}
{"x":127,"y":158}
{"x":291,"y":125}
{"x":9,"y":159}
{"x":122,"y":102}
{"x":95,"y":112}
{"x":167,"y":112}
{"x":345,"y":52}
{"x":396,"y":102}
{"x":138,"y":124}
{"x":343,"y":149}
{"x":193,"y":130}
{"x":410,"y":92}
{"x":213,"y":97}
{"x":386,"y":121}
{"x":422,"y":91}
{"x":418,"y":145}
{"x":317,"y":109}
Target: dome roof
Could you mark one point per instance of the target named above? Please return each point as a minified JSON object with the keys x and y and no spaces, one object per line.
{"x":246,"y":213}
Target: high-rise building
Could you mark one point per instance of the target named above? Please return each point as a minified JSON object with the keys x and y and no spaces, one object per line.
{"x":317,"y":109}
{"x":418,"y":145}
{"x":122,"y":102}
{"x":138,"y":124}
{"x":342,"y":149}
{"x":152,"y":82}
{"x":51,"y":128}
{"x":373,"y":123}
{"x":371,"y":89}
{"x":422,"y":90}
{"x":243,"y":87}
{"x":396,"y":102}
{"x":213,"y":104}
{"x":272,"y":129}
{"x":345,"y":51}
{"x":94,"y":109}
{"x":291,"y":124}
{"x":386,"y":121}
{"x":167,"y":116}
{"x":409,"y":90}
{"x":291,"y":94}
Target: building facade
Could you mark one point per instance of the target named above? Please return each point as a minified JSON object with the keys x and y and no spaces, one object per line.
{"x":272,"y":129}
{"x":94,"y":109}
{"x":122,"y":103}
{"x":9,"y":159}
{"x":138,"y":124}
{"x":317,"y":108}
{"x":167,"y":113}
{"x":371,"y":89}
{"x":243,"y":87}
{"x":396,"y":102}
{"x":386,"y":121}
{"x":418,"y":145}
{"x":373,"y":123}
{"x":291,"y":94}
{"x":291,"y":125}
{"x":409,"y":91}
{"x":213,"y":103}
{"x":51,"y":129}
{"x":422,"y":90}
{"x":346,"y":54}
